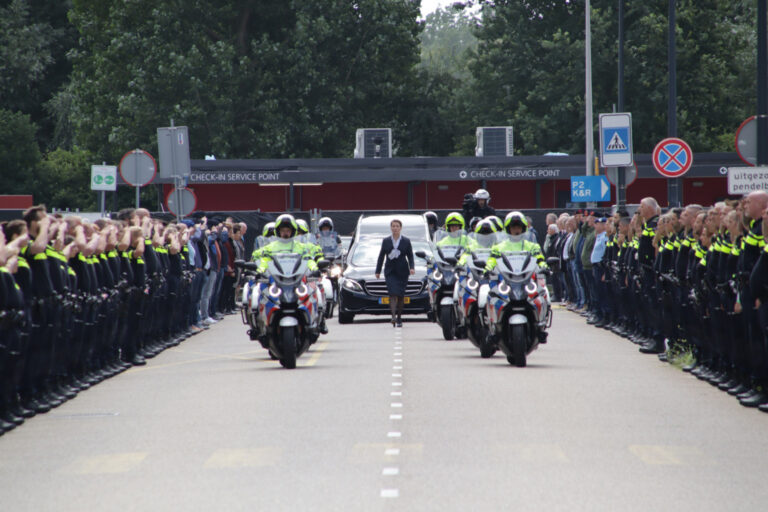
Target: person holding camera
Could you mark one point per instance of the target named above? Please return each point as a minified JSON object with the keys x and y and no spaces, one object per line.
{"x":477,"y":205}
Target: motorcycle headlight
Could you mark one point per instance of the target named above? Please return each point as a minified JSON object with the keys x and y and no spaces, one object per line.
{"x":472,"y":284}
{"x":530,"y":287}
{"x":302,"y":290}
{"x":504,"y":288}
{"x":336,"y":271}
{"x":274,"y":291}
{"x":437,"y":275}
{"x":353,"y":285}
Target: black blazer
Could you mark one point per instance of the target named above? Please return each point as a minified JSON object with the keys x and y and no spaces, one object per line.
{"x":399,"y":266}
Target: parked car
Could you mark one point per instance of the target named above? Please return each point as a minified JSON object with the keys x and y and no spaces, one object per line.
{"x":361,"y":292}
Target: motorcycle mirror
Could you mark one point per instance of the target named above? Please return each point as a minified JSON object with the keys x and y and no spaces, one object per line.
{"x":323,"y":264}
{"x":239,"y":263}
{"x":421,"y":254}
{"x":451,"y":261}
{"x":250,"y":265}
{"x":553,"y":261}
{"x":480,"y":263}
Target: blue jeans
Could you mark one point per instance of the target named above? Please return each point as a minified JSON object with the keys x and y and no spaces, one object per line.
{"x":209,"y":280}
{"x":581,"y":296}
{"x":196,"y":293}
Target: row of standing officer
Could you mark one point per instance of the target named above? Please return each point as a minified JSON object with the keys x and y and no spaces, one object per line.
{"x":81,"y":301}
{"x":692,"y":281}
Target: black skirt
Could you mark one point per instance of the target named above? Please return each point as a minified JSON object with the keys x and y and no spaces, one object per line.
{"x":396,"y":284}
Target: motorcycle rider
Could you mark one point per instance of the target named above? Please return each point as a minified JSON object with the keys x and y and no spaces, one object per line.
{"x":325,"y":227}
{"x":515,"y":224}
{"x":454,"y":225}
{"x":431,"y":218}
{"x":310,"y":243}
{"x":473,"y":222}
{"x":263,"y":240}
{"x":498,"y":224}
{"x":286,"y":230}
{"x":477,"y":205}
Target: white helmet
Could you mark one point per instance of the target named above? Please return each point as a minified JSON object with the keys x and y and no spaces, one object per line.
{"x":325,"y":221}
{"x":483,"y":194}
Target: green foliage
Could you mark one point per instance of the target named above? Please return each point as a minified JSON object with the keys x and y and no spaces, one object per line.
{"x":19,"y":153}
{"x":35,"y":36}
{"x":529,"y":70}
{"x":64,"y":180}
{"x":259,"y":78}
{"x":447,"y":41}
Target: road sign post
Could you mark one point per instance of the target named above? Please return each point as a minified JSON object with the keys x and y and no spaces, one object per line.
{"x":103,"y":179}
{"x":587,"y":189}
{"x":138,"y":168}
{"x":616,"y":147}
{"x":173,"y":151}
{"x":672,"y":158}
{"x":181,"y":202}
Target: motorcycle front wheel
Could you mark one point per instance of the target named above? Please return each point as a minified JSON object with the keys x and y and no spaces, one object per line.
{"x":288,"y":347}
{"x":518,"y":338}
{"x":447,"y":322}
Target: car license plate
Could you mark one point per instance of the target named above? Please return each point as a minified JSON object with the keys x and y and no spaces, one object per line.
{"x":385,"y":300}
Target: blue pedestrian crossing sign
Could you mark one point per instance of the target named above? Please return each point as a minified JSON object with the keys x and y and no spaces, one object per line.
{"x":616,"y":140}
{"x":586,"y":189}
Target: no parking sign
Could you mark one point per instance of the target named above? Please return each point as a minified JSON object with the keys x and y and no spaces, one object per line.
{"x":672,"y":157}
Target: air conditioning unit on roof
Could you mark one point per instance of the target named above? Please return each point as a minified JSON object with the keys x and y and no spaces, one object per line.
{"x":373,"y":143}
{"x":494,"y":141}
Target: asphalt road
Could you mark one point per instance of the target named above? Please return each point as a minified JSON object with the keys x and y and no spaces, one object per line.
{"x":377,"y":418}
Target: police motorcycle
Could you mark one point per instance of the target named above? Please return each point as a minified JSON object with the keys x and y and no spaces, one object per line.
{"x":325,"y":287}
{"x":328,"y":241}
{"x":517,"y":308}
{"x":441,"y":278}
{"x":280,"y":303}
{"x":471,"y":292}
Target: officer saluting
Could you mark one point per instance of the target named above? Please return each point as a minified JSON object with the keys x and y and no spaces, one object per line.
{"x":646,"y":255}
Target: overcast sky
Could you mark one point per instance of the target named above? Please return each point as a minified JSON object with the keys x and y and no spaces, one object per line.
{"x":428,"y":6}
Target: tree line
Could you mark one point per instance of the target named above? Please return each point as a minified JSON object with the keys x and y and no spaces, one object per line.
{"x":84,"y":81}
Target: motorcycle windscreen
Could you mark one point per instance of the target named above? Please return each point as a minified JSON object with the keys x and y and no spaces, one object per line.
{"x":285,"y":264}
{"x":330,"y":245}
{"x":450,"y":244}
{"x":484,"y":241}
{"x":518,"y":265}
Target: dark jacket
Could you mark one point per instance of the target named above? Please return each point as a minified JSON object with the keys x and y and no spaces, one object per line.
{"x":401,"y":265}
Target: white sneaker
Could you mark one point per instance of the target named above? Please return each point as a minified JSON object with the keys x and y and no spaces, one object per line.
{"x":209,"y":321}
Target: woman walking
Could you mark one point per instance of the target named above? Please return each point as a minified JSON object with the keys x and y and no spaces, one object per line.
{"x":399,"y":266}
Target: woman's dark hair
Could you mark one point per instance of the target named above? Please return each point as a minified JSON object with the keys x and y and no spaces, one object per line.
{"x":395,"y":220}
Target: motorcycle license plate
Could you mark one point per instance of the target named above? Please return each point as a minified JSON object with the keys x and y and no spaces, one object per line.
{"x":385,"y":300}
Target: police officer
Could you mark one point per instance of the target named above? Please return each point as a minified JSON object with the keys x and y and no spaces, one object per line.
{"x":646,"y":256}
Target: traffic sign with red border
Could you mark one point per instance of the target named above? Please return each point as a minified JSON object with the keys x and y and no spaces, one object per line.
{"x":188,"y":200}
{"x":746,"y":141}
{"x":672,"y":157}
